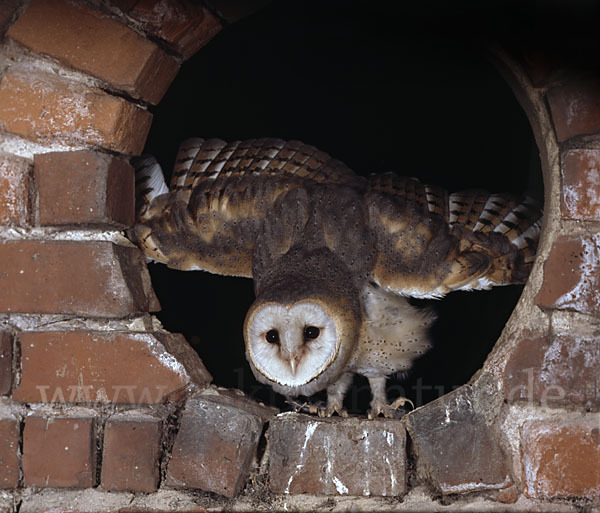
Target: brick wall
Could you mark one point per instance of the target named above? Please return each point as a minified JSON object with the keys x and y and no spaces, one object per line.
{"x":102,"y":410}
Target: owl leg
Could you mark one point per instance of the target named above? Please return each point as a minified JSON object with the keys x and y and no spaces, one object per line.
{"x":379,"y":403}
{"x":335,"y":397}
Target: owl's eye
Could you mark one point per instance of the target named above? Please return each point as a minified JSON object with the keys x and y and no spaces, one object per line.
{"x":311,"y":332}
{"x":272,"y":336}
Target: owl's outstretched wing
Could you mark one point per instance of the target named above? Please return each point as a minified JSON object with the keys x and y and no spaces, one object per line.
{"x":220,"y":192}
{"x":430,"y":242}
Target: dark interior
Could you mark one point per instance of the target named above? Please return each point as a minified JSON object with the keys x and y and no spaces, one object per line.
{"x":409,"y":90}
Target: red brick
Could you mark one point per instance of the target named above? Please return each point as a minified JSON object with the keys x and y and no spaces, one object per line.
{"x":216,"y":443}
{"x":575,"y":109}
{"x":84,"y":187}
{"x":6,"y":362}
{"x":561,"y":460}
{"x":580,"y":191}
{"x":562,"y":370}
{"x":131,"y":453}
{"x":9,"y":451}
{"x":59,"y":452}
{"x":44,"y":108}
{"x":14,"y":190}
{"x":116,"y":367}
{"x":185,"y":25}
{"x":337,"y":456}
{"x":455,"y":445}
{"x":86,"y":40}
{"x":97,"y":279}
{"x":572,"y":275}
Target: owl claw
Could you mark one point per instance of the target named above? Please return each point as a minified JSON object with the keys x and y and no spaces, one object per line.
{"x":331,"y":409}
{"x":389,"y":411}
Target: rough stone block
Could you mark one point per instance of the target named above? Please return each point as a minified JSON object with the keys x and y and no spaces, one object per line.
{"x":131,"y":454}
{"x":561,"y":459}
{"x":58,"y":452}
{"x":216,"y":443}
{"x":572,"y":275}
{"x":6,"y":362}
{"x":580,"y":192}
{"x":14,"y":190}
{"x":84,"y":187}
{"x":9,"y":450}
{"x":96,"y":279}
{"x":106,"y":367}
{"x":336,"y":456}
{"x":575,"y":109}
{"x":186,"y":26}
{"x":87,"y":40}
{"x":455,"y":446}
{"x":44,"y":108}
{"x":561,"y":370}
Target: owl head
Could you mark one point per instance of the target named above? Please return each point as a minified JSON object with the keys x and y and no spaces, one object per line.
{"x":299,"y":345}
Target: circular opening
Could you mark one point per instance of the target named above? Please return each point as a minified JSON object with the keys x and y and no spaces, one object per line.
{"x":381,"y":91}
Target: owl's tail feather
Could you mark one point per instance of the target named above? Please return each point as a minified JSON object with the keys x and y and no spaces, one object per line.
{"x":149,"y":183}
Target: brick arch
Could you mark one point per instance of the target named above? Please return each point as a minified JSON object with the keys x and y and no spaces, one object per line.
{"x":77,"y":299}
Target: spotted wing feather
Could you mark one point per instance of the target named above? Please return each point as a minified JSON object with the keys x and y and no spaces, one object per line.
{"x":221,"y":194}
{"x":431,"y":242}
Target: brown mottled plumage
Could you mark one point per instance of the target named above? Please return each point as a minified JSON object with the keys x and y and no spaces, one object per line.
{"x":324,"y":245}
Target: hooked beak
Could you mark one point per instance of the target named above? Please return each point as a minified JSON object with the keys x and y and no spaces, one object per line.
{"x":293,"y":362}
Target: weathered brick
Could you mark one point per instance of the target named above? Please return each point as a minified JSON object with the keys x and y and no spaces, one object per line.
{"x":84,"y":187}
{"x":337,"y":456}
{"x":455,"y":445}
{"x":98,"y":279}
{"x":575,"y":109}
{"x":58,"y":452}
{"x":116,"y":367}
{"x":561,"y":459}
{"x":216,"y":443}
{"x":9,"y":451}
{"x":572,"y":275}
{"x":6,"y":362}
{"x":131,"y":453}
{"x":86,"y":40}
{"x":580,"y":191}
{"x":560,"y":370}
{"x":14,"y":190}
{"x":186,"y":26}
{"x":44,"y":108}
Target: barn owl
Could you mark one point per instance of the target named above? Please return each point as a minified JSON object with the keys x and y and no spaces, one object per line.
{"x":333,"y":256}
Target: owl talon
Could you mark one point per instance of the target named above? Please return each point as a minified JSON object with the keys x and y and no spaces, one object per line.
{"x":389,"y":411}
{"x":331,"y":409}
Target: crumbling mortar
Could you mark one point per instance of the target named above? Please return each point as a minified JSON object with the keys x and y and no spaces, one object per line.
{"x":145,"y":323}
{"x":98,"y":445}
{"x":526,"y":314}
{"x":170,"y":428}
